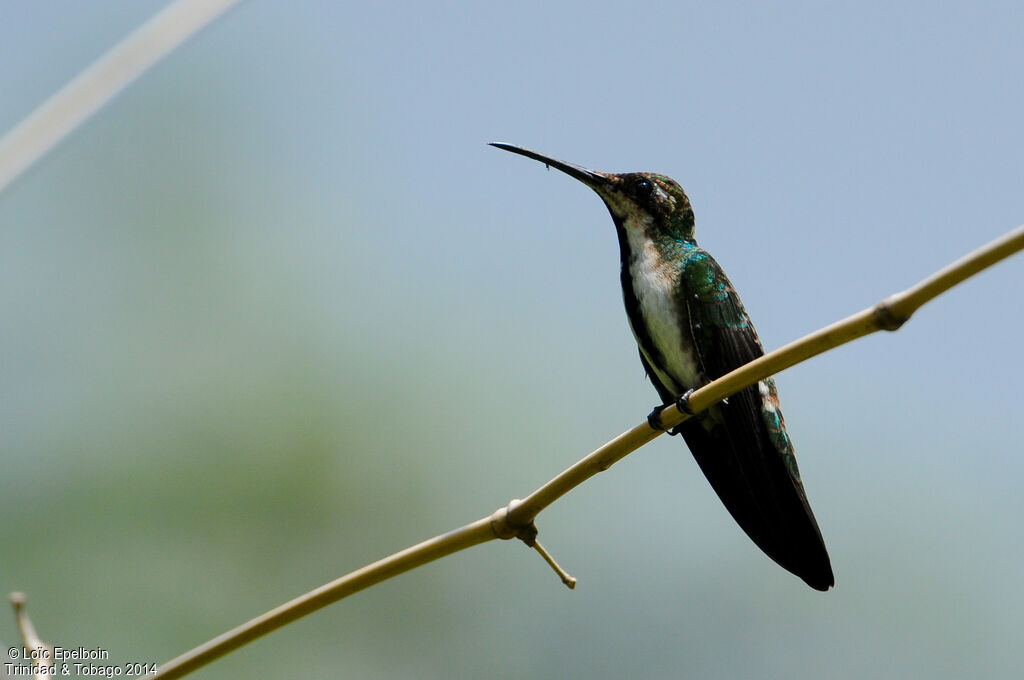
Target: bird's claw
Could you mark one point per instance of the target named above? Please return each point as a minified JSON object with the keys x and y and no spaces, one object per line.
{"x":683,"y":403}
{"x":654,"y":418}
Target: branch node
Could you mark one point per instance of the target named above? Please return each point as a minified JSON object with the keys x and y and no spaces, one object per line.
{"x":886,"y":318}
{"x":504,"y":529}
{"x":567,"y":578}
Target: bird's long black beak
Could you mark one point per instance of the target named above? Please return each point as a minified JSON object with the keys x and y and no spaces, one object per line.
{"x":593,"y":179}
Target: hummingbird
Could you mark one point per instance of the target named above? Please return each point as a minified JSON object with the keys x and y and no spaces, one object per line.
{"x":691,"y":328}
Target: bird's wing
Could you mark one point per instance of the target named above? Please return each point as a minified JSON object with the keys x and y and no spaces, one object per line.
{"x":741,"y":443}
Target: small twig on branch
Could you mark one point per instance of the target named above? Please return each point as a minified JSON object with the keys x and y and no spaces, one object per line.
{"x":567,"y":578}
{"x":29,"y":638}
{"x":516,"y":519}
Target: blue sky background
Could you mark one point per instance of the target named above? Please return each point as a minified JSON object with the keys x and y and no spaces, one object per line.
{"x":278,"y":311}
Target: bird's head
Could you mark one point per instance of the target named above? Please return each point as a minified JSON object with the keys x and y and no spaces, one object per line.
{"x":652,"y":204}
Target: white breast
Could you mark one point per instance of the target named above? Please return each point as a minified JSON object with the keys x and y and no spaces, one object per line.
{"x":655,"y":282}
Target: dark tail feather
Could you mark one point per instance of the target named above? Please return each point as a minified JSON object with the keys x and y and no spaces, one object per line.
{"x":759,"y":485}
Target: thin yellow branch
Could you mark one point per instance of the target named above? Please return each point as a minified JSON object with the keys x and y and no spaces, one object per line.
{"x":516,"y":520}
{"x":70,"y":106}
{"x":381,"y":570}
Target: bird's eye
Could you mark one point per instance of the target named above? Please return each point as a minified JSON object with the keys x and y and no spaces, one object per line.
{"x":643,"y":188}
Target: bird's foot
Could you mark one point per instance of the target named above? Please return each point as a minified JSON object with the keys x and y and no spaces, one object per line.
{"x":654,"y":420}
{"x":683,"y":403}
